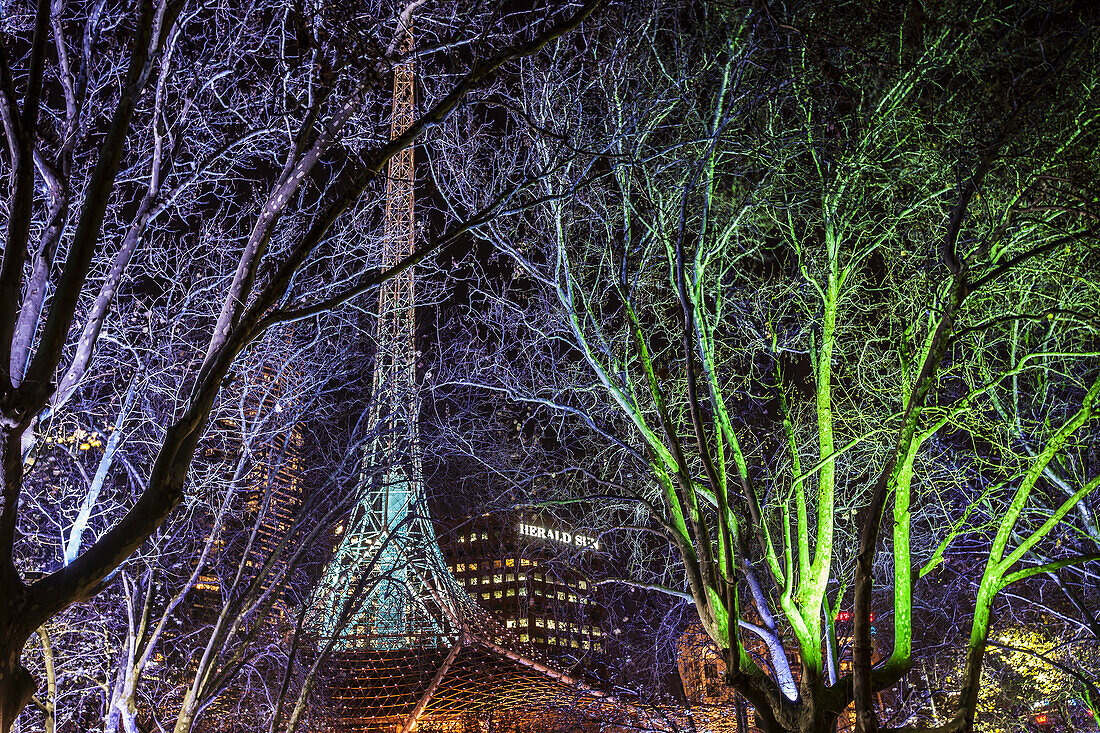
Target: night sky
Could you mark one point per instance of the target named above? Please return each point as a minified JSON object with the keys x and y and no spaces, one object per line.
{"x":789,"y":309}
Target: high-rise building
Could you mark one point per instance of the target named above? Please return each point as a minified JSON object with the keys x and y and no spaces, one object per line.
{"x":534,"y":574}
{"x":260,"y":463}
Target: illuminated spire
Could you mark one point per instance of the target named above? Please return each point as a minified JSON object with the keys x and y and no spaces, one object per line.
{"x":415,"y":622}
{"x":389,"y":536}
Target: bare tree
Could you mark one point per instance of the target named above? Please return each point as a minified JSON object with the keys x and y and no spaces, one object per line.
{"x":267,"y":518}
{"x":206,"y":600}
{"x":216,"y":149}
{"x":802,"y":276}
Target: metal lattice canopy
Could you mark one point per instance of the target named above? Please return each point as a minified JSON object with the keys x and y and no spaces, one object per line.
{"x":484,"y":669}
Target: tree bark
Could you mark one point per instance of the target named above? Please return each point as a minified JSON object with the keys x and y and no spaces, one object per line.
{"x":17,"y":685}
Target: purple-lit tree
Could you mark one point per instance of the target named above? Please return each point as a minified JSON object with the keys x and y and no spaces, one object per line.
{"x":816,"y":267}
{"x":206,"y":602}
{"x":206,"y":620}
{"x":224,"y":158}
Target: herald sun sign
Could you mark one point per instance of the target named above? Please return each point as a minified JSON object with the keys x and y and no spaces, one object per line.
{"x":563,"y":537}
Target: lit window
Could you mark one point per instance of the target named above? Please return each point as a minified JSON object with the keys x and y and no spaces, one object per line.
{"x":523,"y":577}
{"x":510,"y":577}
{"x":485,"y":596}
{"x":523,"y":637}
{"x":496,"y":564}
{"x":561,"y":595}
{"x":510,"y":623}
{"x":510,"y":562}
{"x":473,"y":566}
{"x":523,"y":591}
{"x":473,"y":536}
{"x":497,"y":578}
{"x":524,"y":562}
{"x":484,"y":535}
{"x":462,"y":567}
{"x":511,"y":592}
{"x":572,"y":597}
{"x":550,"y":624}
{"x":539,"y":623}
{"x":574,"y":644}
{"x":523,"y":623}
{"x":582,"y":585}
{"x":498,"y":594}
{"x":552,"y":640}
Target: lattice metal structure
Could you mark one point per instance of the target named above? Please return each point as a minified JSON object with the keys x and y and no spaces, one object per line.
{"x":486,"y":672}
{"x":419,"y":650}
{"x":389,"y":537}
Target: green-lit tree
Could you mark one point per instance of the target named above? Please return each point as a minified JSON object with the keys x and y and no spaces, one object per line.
{"x":826,"y":282}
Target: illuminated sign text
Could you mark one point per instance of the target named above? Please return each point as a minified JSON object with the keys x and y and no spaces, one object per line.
{"x":574,"y":539}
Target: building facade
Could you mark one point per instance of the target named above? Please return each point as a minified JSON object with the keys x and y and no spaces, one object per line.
{"x":535,"y":575}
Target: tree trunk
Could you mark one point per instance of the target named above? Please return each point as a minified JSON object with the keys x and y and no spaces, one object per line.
{"x":742,"y":713}
{"x":129,"y":719}
{"x":186,"y":717}
{"x":49,"y":705}
{"x":16,"y":685}
{"x":123,"y":705}
{"x":806,"y":716}
{"x":805,"y":722}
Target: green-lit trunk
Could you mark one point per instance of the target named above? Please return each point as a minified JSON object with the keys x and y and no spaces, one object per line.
{"x":975,"y":652}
